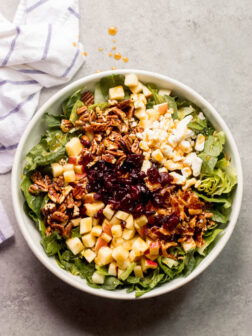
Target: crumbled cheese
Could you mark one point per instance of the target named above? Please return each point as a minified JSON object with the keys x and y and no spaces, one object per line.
{"x":200,"y":143}
{"x":177,"y":178}
{"x":195,"y":162}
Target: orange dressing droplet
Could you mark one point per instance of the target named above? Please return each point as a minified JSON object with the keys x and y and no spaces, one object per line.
{"x":117,"y":56}
{"x":114,"y":40}
{"x":125,"y":59}
{"x":113,"y":68}
{"x":84,"y":53}
{"x":74,"y":44}
{"x":114,"y":48}
{"x":100,"y":49}
{"x":97,"y":71}
{"x":110,"y":54}
{"x":112,"y":30}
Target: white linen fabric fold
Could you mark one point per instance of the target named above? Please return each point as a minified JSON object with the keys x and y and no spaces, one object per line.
{"x":40,"y":48}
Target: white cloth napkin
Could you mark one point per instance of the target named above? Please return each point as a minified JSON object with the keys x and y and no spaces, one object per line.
{"x":39,"y":49}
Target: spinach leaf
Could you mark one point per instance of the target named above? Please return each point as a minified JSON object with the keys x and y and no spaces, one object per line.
{"x":34,"y":202}
{"x":52,"y":244}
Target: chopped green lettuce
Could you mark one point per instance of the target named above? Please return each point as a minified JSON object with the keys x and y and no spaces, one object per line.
{"x":68,"y":104}
{"x":73,"y":116}
{"x":209,"y":240}
{"x":108,"y":82}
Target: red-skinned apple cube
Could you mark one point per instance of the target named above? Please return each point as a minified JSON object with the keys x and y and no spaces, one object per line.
{"x":154,"y":248}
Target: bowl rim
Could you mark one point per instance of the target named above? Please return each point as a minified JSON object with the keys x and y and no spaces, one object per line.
{"x":44,"y":259}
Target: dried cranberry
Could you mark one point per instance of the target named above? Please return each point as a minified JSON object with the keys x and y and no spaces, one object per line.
{"x":153,"y":175}
{"x":86,"y":159}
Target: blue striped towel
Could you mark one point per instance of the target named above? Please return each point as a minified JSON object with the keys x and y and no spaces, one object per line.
{"x":39,"y":49}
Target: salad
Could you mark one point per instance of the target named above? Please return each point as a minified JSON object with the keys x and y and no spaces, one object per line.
{"x":130,"y":186}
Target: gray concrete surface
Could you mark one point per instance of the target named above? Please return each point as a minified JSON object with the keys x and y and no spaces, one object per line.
{"x":207,"y":45}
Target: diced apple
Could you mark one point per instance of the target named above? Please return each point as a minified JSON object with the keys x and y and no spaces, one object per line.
{"x":128,"y":233}
{"x":116,"y":93}
{"x":117,"y":242}
{"x":108,"y":212}
{"x":138,"y":271}
{"x":140,"y":113}
{"x":140,"y":245}
{"x":131,"y":80}
{"x":122,"y":215}
{"x":89,"y":255}
{"x":189,"y":245}
{"x":146,"y":92}
{"x":75,"y":245}
{"x":74,"y":147}
{"x":104,"y":256}
{"x":68,"y":167}
{"x":57,"y":169}
{"x":88,"y":240}
{"x":79,"y":169}
{"x":130,"y":222}
{"x":69,"y":176}
{"x":146,"y":165}
{"x":146,"y":264}
{"x":96,"y":221}
{"x":96,"y":230}
{"x":73,"y":159}
{"x":123,"y":265}
{"x":116,"y":231}
{"x":106,"y":228}
{"x":138,"y":88}
{"x":141,"y":221}
{"x":119,"y":272}
{"x":112,"y":269}
{"x":93,"y":208}
{"x":106,"y":237}
{"x":157,"y":155}
{"x":100,"y":243}
{"x":76,"y":221}
{"x":98,"y":278}
{"x":80,"y":176}
{"x":161,"y":108}
{"x":127,"y":244}
{"x":133,"y":255}
{"x":164,"y":92}
{"x":141,"y":230}
{"x":86,"y":225}
{"x":115,"y":221}
{"x":89,"y":198}
{"x":154,"y":248}
{"x":120,"y":254}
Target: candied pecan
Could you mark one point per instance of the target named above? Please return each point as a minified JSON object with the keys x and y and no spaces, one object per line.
{"x":58,"y":181}
{"x":78,"y":192}
{"x":126,"y":143}
{"x":121,"y":160}
{"x":48,"y":208}
{"x":58,"y":227}
{"x":108,"y":158}
{"x":135,"y":147}
{"x":115,"y":152}
{"x":69,"y":201}
{"x":65,"y":191}
{"x":35,"y":189}
{"x":124,"y":104}
{"x":68,"y":230}
{"x":93,"y":147}
{"x":87,"y":98}
{"x":76,"y":211}
{"x":53,"y":195}
{"x":66,"y":125}
{"x":98,"y":137}
{"x":59,"y":216}
{"x":118,"y":112}
{"x":82,"y":109}
{"x":100,"y":149}
{"x":131,"y":112}
{"x":92,"y":116}
{"x":62,"y":208}
{"x":124,"y":128}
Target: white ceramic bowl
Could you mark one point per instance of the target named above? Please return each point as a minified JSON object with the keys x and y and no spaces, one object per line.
{"x":31,"y":137}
